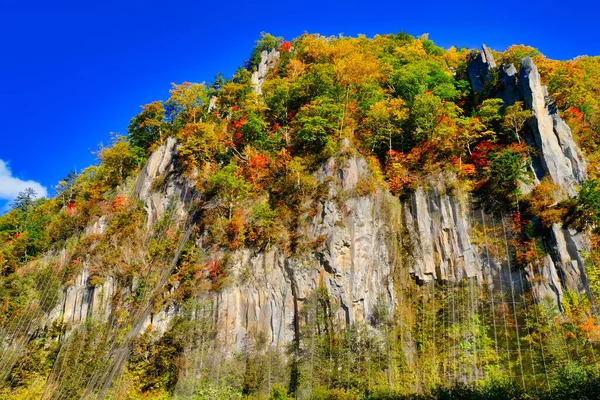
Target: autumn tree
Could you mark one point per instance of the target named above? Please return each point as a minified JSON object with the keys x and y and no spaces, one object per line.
{"x":188,"y":103}
{"x":200,"y":143}
{"x":515,"y":118}
{"x":585,"y":209}
{"x":148,"y":126}
{"x":384,"y":119}
{"x":490,"y":113}
{"x":229,"y":186}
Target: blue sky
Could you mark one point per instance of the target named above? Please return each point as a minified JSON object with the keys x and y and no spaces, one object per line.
{"x":70,"y":73}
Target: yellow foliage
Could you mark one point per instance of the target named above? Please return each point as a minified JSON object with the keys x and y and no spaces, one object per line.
{"x":455,"y":58}
{"x":410,"y":52}
{"x":542,"y":202}
{"x":295,"y":68}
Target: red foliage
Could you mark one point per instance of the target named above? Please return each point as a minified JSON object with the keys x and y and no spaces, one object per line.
{"x":577,"y":115}
{"x":259,"y":161}
{"x":257,"y":168}
{"x":394,"y":155}
{"x":479,"y":155}
{"x":16,"y":236}
{"x":241,"y":122}
{"x":71,"y":209}
{"x":285,"y":46}
{"x":215,"y":273}
{"x":519,"y":221}
{"x":237,"y":138}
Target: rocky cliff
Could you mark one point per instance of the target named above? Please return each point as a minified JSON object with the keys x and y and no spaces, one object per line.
{"x":429,"y":281}
{"x":363,"y":240}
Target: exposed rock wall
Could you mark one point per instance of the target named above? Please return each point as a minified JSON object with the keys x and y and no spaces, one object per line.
{"x":355,"y":264}
{"x":559,"y":155}
{"x":439,"y":225}
{"x":357,"y":245}
{"x":82,"y":301}
{"x":479,"y":70}
{"x":160,"y":186}
{"x":267,"y":61}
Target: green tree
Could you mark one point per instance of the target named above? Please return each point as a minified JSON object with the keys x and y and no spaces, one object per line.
{"x":585,"y":209}
{"x":24,"y":200}
{"x":490,"y":113}
{"x":188,"y":103}
{"x":267,"y":42}
{"x":514,"y":119}
{"x":229,"y":187}
{"x":147,"y":127}
{"x":316,"y":124}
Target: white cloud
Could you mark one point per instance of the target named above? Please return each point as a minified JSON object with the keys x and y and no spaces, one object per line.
{"x":11,"y":186}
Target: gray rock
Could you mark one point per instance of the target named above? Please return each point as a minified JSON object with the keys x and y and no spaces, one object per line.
{"x":82,"y":301}
{"x":267,"y":61}
{"x":544,"y":281}
{"x":559,"y":155}
{"x":175,"y":190}
{"x":510,"y":92}
{"x":439,"y":226}
{"x":569,"y":246}
{"x":98,"y":227}
{"x":355,"y":265}
{"x":479,"y":70}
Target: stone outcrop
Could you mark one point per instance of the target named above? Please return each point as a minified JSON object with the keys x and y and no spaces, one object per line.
{"x":357,"y":243}
{"x":82,"y":300}
{"x":559,"y":155}
{"x":509,"y":91}
{"x":439,"y":226}
{"x":544,"y":280}
{"x":267,"y":61}
{"x":569,"y":247}
{"x":354,"y":262}
{"x":479,"y":70}
{"x":159,"y":186}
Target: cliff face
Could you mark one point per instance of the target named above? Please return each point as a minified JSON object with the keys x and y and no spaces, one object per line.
{"x":362,"y":241}
{"x":559,"y":155}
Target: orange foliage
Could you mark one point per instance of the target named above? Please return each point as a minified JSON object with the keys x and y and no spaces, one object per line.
{"x":119,"y":202}
{"x":398,"y":175}
{"x":215,"y":272}
{"x":577,"y":115}
{"x":527,"y":251}
{"x":467,"y":169}
{"x":295,"y":68}
{"x":71,"y":209}
{"x":236,"y":229}
{"x":257,"y":166}
{"x":590,"y":329}
{"x":570,"y":335}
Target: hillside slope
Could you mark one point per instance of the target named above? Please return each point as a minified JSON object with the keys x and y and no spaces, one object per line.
{"x":344,"y":217}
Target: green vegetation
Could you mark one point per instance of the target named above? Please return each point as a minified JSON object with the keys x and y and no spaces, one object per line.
{"x":249,"y":164}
